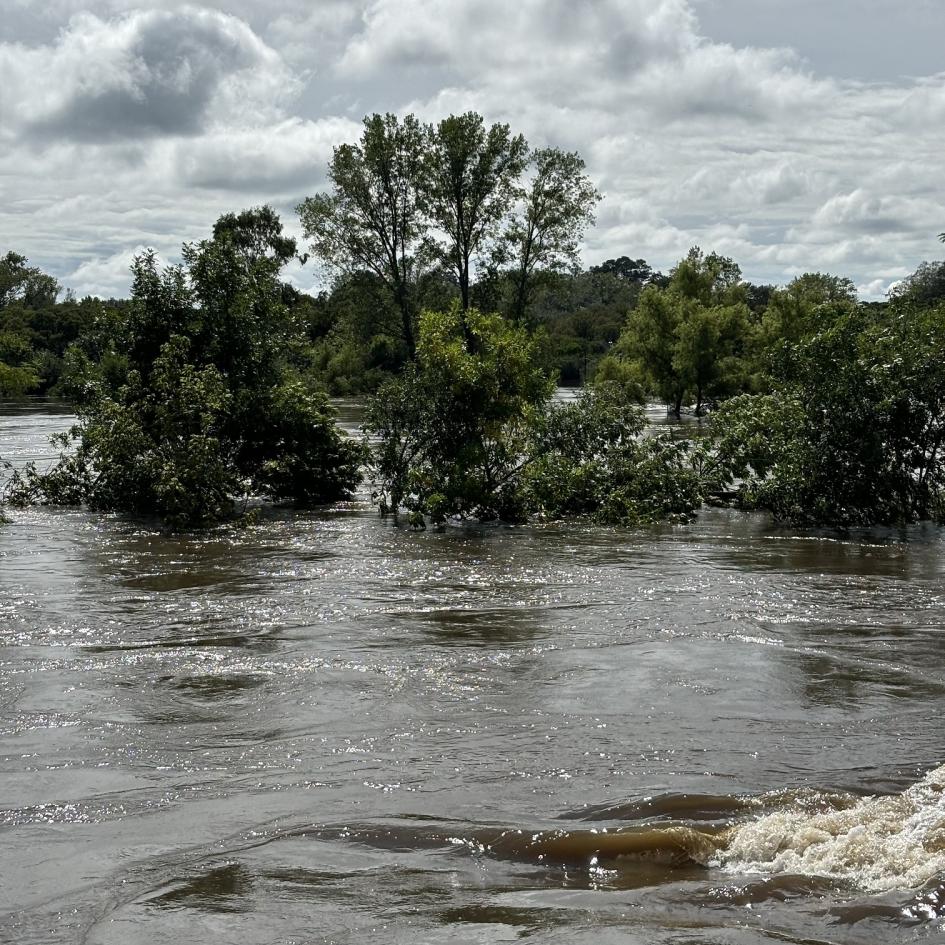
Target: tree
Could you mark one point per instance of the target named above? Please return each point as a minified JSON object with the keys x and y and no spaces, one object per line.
{"x":687,"y":339}
{"x":924,"y":288}
{"x":593,"y":460}
{"x":23,"y":290}
{"x":630,"y":270}
{"x":472,"y":177}
{"x":373,"y":219}
{"x":187,"y":400}
{"x":807,"y":305}
{"x":557,"y":208}
{"x":25,"y":284}
{"x":855,"y":430}
{"x":454,"y":427}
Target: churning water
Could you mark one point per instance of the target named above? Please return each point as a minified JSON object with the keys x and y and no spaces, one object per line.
{"x":325,"y":728}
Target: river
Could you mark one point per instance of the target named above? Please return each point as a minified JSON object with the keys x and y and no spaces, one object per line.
{"x":328,"y":729}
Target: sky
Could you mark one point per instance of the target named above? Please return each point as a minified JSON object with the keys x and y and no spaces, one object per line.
{"x":791,"y":135}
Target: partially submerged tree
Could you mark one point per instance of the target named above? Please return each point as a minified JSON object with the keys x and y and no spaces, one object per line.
{"x":454,"y":427}
{"x":687,"y":341}
{"x":855,"y":431}
{"x":471,"y":431}
{"x":187,"y":401}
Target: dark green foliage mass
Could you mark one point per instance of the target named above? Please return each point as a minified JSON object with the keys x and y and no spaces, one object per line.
{"x":187,"y":400}
{"x":593,"y":460}
{"x":853,"y":434}
{"x":470,"y":430}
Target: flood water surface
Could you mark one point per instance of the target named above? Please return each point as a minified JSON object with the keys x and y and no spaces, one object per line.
{"x":328,"y":729}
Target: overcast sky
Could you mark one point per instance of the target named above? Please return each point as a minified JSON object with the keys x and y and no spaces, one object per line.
{"x":792,"y":135}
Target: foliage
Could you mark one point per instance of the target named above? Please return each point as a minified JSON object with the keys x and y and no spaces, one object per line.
{"x":582,"y":315}
{"x":26,"y":285}
{"x":471,"y":432}
{"x":187,"y":400}
{"x":437,"y":212}
{"x":855,"y":432}
{"x":372,"y":220}
{"x":592,"y":460}
{"x":924,"y":288}
{"x":454,"y":427}
{"x":472,"y":177}
{"x":558,"y":207}
{"x":34,"y":328}
{"x":807,"y":305}
{"x":687,"y":340}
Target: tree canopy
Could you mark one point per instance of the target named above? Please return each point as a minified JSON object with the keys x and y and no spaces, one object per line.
{"x":187,"y":401}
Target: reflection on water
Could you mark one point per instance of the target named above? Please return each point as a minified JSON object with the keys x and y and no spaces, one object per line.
{"x":327,"y":726}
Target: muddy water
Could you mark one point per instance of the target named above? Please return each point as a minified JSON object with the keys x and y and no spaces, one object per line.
{"x":327,"y":729}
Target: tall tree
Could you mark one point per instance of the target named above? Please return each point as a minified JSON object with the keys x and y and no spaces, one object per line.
{"x":558,"y":207}
{"x":472,"y":175}
{"x":372,"y":218}
{"x":807,"y":305}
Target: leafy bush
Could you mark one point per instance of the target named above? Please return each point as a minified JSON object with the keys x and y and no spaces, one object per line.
{"x":187,"y":401}
{"x":853,"y":434}
{"x":455,"y":427}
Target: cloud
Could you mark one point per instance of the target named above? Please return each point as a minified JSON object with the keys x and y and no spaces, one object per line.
{"x":151,"y":122}
{"x":291,"y":156}
{"x":148,"y":74}
{"x":104,"y":276}
{"x":863,"y":212}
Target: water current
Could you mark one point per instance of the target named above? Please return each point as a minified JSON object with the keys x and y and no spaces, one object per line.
{"x":326,"y":728}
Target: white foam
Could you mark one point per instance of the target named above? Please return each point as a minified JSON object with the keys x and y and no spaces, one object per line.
{"x":877,"y":843}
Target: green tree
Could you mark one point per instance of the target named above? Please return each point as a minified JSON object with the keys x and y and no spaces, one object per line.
{"x":23,"y":289}
{"x":592,"y":459}
{"x":472,"y":181}
{"x":923,"y":288}
{"x":853,"y":434}
{"x":630,"y":270}
{"x":373,"y":217}
{"x":187,"y":400}
{"x":454,"y":427}
{"x":807,"y":305}
{"x":25,"y":284}
{"x":687,"y":340}
{"x":557,"y":208}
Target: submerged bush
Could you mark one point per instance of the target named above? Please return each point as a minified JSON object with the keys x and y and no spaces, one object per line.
{"x":853,"y":434}
{"x":455,"y":427}
{"x":593,"y":460}
{"x":470,"y":430}
{"x":187,"y":401}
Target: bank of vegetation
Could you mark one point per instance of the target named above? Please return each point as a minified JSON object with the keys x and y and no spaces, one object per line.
{"x":457,"y":304}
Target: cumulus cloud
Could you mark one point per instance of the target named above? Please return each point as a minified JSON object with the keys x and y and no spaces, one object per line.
{"x":150,"y":122}
{"x":291,"y":156}
{"x":148,"y":74}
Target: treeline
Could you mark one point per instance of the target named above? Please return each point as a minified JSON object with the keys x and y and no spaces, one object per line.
{"x":457,"y":298}
{"x":36,"y":328}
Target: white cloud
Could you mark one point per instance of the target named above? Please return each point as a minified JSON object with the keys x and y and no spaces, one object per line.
{"x":149,"y":123}
{"x":148,"y":74}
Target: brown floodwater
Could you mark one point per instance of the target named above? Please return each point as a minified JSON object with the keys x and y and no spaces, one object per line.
{"x":328,"y":729}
